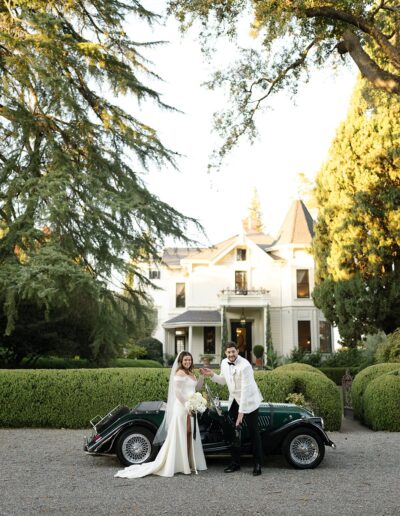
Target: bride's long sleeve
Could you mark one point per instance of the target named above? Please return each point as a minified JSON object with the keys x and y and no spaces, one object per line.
{"x":199,"y":383}
{"x":178,"y":384}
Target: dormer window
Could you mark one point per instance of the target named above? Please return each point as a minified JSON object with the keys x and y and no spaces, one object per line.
{"x":241,"y":255}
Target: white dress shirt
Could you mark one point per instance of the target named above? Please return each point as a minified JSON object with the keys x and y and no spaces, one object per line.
{"x":241,"y":384}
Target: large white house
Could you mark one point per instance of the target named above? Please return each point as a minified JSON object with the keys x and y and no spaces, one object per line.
{"x":226,"y":288}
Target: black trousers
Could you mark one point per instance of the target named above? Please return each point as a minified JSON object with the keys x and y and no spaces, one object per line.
{"x":252,"y":424}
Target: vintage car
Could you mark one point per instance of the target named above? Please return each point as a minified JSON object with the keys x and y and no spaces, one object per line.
{"x":285,"y":428}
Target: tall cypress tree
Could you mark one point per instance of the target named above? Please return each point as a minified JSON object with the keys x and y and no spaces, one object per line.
{"x":73,"y":206}
{"x":357,"y":237}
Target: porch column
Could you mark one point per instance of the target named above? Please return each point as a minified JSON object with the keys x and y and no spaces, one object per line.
{"x":190,"y":338}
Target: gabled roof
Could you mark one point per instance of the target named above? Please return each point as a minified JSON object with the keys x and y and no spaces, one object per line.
{"x":195,"y":318}
{"x":298,"y":226}
{"x":208,"y":253}
{"x":263,"y":240}
{"x":173,"y":255}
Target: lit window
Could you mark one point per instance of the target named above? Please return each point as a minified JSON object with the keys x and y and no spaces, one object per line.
{"x":325,"y":337}
{"x":241,"y":282}
{"x":180,"y":295}
{"x":304,"y":336}
{"x":303,"y":283}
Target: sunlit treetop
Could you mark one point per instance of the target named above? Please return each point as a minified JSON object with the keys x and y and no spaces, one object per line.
{"x":296,"y":36}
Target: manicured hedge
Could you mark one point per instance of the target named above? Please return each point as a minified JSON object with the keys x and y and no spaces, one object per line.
{"x":336,"y":373}
{"x":296,"y":366}
{"x":83,"y":363}
{"x":318,"y":390}
{"x":70,"y":398}
{"x":361,"y":381}
{"x":382,"y":402}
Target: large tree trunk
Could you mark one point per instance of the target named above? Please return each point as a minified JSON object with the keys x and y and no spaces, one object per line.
{"x":367,"y":66}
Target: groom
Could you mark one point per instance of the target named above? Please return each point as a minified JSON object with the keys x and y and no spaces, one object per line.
{"x":244,"y":401}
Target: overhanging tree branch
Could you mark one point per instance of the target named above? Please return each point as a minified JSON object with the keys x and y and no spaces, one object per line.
{"x":360,"y":23}
{"x":380,"y":78}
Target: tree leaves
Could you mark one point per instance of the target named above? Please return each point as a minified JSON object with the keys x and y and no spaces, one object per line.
{"x":357,"y":237}
{"x":74,"y":210}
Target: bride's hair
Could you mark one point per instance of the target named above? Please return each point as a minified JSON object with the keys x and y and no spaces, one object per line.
{"x":181,"y":356}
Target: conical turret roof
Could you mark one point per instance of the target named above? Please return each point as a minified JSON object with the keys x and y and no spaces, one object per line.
{"x":298,"y":226}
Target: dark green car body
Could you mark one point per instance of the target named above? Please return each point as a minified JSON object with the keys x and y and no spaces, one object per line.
{"x":285,"y":428}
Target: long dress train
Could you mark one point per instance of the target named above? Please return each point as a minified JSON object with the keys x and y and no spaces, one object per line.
{"x":173,"y":455}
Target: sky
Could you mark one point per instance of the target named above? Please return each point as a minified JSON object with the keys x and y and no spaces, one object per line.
{"x":294,"y":137}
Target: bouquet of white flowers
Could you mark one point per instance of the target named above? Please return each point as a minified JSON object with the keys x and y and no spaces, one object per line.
{"x":196,"y":403}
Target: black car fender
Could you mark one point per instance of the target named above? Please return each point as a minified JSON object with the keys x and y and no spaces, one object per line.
{"x":274,"y":439}
{"x":106,"y":444}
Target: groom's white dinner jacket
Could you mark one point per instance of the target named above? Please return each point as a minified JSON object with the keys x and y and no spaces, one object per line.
{"x":241,"y":384}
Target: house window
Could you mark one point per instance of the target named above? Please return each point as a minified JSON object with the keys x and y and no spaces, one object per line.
{"x":180,"y":295}
{"x":154,"y":274}
{"x":241,"y":255}
{"x":241,"y":282}
{"x":325,"y":337}
{"x":304,"y":336}
{"x":180,"y":341}
{"x":303,"y":283}
{"x":209,"y":339}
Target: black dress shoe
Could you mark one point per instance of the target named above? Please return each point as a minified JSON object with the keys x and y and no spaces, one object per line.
{"x":231,"y":468}
{"x":257,"y":470}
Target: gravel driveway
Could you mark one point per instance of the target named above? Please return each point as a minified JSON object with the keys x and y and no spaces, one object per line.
{"x":46,"y":472}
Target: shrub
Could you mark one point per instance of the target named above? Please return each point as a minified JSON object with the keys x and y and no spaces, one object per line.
{"x":83,"y":363}
{"x":136,"y":352}
{"x":69,"y":399}
{"x":130,"y":362}
{"x":153,"y":347}
{"x":320,"y":392}
{"x":336,"y":373}
{"x":297,"y":367}
{"x":382,"y":402}
{"x":389,"y":349}
{"x":345,"y":357}
{"x":360,"y":384}
{"x":258,"y":351}
{"x":299,"y":356}
{"x":56,"y":363}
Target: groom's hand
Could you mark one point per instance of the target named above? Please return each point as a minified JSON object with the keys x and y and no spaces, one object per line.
{"x":239,"y":419}
{"x":206,"y":372}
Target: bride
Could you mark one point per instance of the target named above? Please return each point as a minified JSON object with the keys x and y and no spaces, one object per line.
{"x":180,"y":453}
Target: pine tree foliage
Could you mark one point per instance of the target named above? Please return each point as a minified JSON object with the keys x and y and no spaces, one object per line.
{"x":73,"y":205}
{"x":357,"y":237}
{"x":295,"y":38}
{"x":253,"y":223}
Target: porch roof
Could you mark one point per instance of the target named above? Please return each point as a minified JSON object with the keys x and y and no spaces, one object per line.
{"x":195,"y":318}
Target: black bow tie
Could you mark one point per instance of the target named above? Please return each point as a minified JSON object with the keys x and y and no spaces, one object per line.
{"x":232,"y":363}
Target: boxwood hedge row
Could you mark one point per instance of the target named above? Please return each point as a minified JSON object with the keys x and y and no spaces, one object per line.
{"x":336,"y":373}
{"x":382,"y":402}
{"x":69,"y":398}
{"x":361,"y":381}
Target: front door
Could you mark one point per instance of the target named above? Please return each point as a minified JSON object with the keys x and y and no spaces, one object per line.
{"x":243,"y":337}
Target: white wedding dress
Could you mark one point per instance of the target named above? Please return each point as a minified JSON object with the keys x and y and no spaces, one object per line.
{"x":173,"y":455}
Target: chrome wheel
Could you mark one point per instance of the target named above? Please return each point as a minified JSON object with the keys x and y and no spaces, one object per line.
{"x":304,"y":450}
{"x":136,"y":448}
